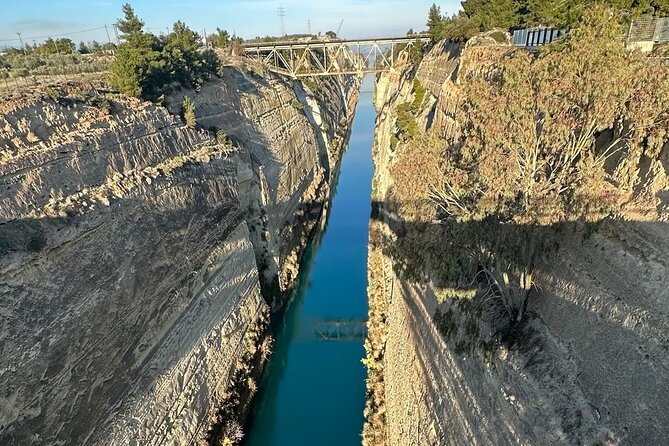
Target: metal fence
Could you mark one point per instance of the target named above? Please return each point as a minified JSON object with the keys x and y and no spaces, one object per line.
{"x":537,"y":36}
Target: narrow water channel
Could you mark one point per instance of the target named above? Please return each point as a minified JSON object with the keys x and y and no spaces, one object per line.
{"x":313,"y":389}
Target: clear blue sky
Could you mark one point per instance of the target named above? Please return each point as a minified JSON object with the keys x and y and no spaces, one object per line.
{"x":248,"y":18}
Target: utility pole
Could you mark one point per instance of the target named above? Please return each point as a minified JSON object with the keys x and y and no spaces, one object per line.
{"x":118,"y":41}
{"x":55,"y":44}
{"x":23,"y":48}
{"x":204,"y":33}
{"x":281,"y":12}
{"x":309,"y":26}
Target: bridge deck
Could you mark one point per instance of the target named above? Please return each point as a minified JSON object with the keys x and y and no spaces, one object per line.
{"x":295,"y":45}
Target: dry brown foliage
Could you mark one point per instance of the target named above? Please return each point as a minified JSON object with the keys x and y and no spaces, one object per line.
{"x":543,"y":139}
{"x":534,"y":146}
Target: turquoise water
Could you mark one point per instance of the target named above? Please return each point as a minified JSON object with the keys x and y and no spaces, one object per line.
{"x":313,"y":390}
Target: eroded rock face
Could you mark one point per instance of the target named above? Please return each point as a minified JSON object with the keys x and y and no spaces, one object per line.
{"x":129,"y":247}
{"x":589,"y":367}
{"x":290,"y":141}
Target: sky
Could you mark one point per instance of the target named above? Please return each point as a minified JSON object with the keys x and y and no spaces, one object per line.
{"x":84,"y":20}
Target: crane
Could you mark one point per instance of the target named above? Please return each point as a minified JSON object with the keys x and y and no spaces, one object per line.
{"x":340,"y":24}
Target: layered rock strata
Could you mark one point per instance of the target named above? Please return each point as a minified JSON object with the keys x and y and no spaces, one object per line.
{"x":136,"y":252}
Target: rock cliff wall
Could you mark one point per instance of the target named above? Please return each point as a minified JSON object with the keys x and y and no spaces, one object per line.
{"x":290,"y":139}
{"x":135,"y":252}
{"x":590,"y":367}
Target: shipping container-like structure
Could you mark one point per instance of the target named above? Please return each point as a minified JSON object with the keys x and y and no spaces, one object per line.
{"x":648,"y":31}
{"x":531,"y":37}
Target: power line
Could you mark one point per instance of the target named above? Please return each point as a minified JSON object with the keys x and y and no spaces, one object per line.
{"x":54,"y":35}
{"x":107,"y":31}
{"x":50,"y":36}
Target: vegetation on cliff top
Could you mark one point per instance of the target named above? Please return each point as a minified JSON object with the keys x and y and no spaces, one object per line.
{"x":538,"y":133}
{"x":407,"y":112}
{"x":483,"y":15}
{"x":52,"y":57}
{"x":543,"y":140}
{"x":146,"y":63}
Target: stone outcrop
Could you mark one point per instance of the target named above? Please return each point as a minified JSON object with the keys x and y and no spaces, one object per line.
{"x":135,"y":252}
{"x":589,"y":367}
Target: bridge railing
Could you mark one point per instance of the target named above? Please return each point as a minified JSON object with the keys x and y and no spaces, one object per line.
{"x":331,"y":43}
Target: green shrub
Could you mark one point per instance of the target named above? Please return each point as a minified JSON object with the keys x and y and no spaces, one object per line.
{"x":406,"y":122}
{"x":297,"y":105}
{"x":416,"y":52}
{"x":499,"y":37}
{"x":104,"y":104}
{"x":311,"y":85}
{"x":393,"y":142}
{"x":145,"y":63}
{"x":419,"y":92}
{"x":188,"y":112}
{"x":407,"y":111}
{"x":52,"y":93}
{"x":222,"y":137}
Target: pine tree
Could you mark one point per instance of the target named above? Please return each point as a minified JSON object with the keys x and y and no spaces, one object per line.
{"x":138,"y":69}
{"x":220,"y":39}
{"x":131,"y":25}
{"x":181,"y":53}
{"x":188,"y":112}
{"x":144,"y":63}
{"x":435,"y":22}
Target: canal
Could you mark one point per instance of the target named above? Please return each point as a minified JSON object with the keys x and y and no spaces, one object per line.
{"x":313,"y":389}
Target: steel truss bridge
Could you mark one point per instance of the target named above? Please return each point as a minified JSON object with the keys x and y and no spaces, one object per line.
{"x":331,"y":57}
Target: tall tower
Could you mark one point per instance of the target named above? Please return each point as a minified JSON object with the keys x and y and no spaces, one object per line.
{"x":281,"y":12}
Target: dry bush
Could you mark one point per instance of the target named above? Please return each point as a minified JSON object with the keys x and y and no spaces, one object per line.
{"x":530,"y":150}
{"x":545,"y":139}
{"x":416,"y":174}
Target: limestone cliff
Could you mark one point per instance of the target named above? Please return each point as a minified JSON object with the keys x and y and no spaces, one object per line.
{"x":284,"y":169}
{"x":135,"y":252}
{"x":590,"y":366}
